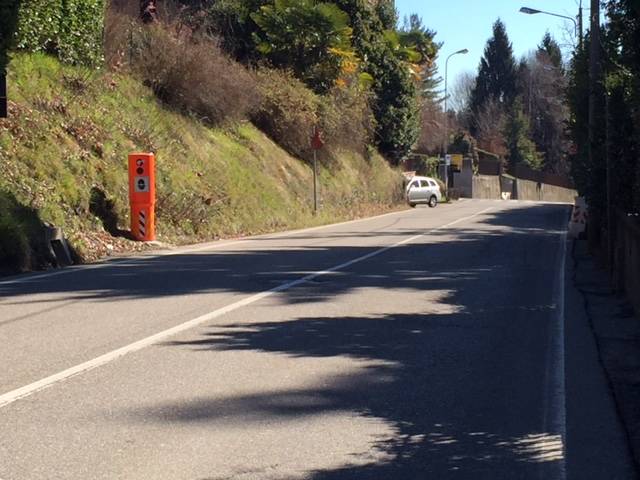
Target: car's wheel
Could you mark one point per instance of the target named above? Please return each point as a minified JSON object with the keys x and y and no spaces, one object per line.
{"x":412,"y":205}
{"x":433,"y":201}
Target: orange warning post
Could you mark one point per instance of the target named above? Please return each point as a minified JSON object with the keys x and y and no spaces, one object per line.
{"x":142,"y":195}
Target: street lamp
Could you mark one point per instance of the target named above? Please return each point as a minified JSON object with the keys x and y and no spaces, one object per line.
{"x":533,"y":11}
{"x":464,"y":51}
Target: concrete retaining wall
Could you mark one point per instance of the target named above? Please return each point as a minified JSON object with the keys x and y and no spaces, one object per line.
{"x":551,"y":193}
{"x":463,"y":180}
{"x":528,"y":190}
{"x":486,"y":186}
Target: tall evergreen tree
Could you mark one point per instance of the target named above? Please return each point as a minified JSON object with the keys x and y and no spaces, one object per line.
{"x":550,"y":48}
{"x":395,"y":104}
{"x":520,"y":149}
{"x":497,"y":73}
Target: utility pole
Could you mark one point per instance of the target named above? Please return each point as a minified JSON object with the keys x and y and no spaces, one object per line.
{"x":580,"y":29}
{"x":596,"y":92}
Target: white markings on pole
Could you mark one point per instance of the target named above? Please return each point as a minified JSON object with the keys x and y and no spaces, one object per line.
{"x":27,"y":390}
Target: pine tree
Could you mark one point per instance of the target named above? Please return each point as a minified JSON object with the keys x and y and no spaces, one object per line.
{"x":497,"y":73}
{"x":520,"y":148}
{"x":550,"y":48}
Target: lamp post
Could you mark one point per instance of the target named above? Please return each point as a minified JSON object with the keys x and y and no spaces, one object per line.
{"x":464,"y":51}
{"x":578,"y":31}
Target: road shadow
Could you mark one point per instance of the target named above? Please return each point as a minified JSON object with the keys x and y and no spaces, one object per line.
{"x":464,"y":389}
{"x":253,"y":267}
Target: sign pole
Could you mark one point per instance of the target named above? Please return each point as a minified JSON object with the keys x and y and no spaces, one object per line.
{"x":316,"y":144}
{"x":315,"y":182}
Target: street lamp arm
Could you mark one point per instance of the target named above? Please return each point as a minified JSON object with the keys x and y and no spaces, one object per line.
{"x":533,"y":11}
{"x":562,"y":16}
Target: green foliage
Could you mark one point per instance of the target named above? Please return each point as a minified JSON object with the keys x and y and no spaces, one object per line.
{"x":289,"y":111}
{"x":70,"y":29}
{"x":550,"y":48}
{"x":464,"y":144}
{"x":623,"y":89}
{"x":395,"y":103}
{"x":231,"y":21}
{"x":417,"y":37}
{"x":497,"y":73}
{"x":578,"y":125}
{"x":387,"y":13}
{"x":312,"y":39}
{"x":426,"y":166}
{"x":520,"y":148}
{"x":8,"y":24}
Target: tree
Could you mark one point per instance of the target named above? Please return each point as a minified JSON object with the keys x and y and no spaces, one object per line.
{"x":520,"y":149}
{"x":419,"y":39}
{"x":496,"y":79}
{"x":312,"y":39}
{"x":387,"y":13}
{"x":231,"y":21}
{"x":542,"y":84}
{"x":622,"y":84}
{"x":578,"y":124}
{"x":460,"y":97}
{"x":395,"y":102}
{"x":550,"y":48}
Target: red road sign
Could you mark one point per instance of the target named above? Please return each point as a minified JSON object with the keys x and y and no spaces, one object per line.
{"x":316,"y":141}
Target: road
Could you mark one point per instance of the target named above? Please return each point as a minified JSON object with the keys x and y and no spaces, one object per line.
{"x":441,"y":343}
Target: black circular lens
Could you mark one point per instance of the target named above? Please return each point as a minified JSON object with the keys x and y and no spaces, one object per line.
{"x":140,"y":170}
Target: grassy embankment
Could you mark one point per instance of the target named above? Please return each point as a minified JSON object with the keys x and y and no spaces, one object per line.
{"x":63,"y":156}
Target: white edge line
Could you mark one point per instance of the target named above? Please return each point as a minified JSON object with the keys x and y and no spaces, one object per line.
{"x":27,"y":390}
{"x":561,"y":370}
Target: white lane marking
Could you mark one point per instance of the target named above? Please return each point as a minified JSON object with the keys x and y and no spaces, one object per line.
{"x":185,"y":250}
{"x":109,"y":357}
{"x":561,"y":420}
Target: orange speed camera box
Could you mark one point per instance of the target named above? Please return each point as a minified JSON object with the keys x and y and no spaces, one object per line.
{"x":142,"y":178}
{"x":142,"y":195}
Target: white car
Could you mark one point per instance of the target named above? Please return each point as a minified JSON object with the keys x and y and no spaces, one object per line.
{"x":423,"y":190}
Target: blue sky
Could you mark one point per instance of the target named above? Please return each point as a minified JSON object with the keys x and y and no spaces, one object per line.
{"x":468,"y":24}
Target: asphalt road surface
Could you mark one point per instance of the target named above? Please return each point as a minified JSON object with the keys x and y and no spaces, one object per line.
{"x":441,"y":343}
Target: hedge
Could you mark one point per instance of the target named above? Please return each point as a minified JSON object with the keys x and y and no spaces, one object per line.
{"x":69,"y":29}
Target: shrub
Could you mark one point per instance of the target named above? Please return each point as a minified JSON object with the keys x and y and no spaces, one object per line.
{"x":346,"y":119}
{"x":186,"y":71}
{"x":289,"y":110}
{"x":69,"y":29}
